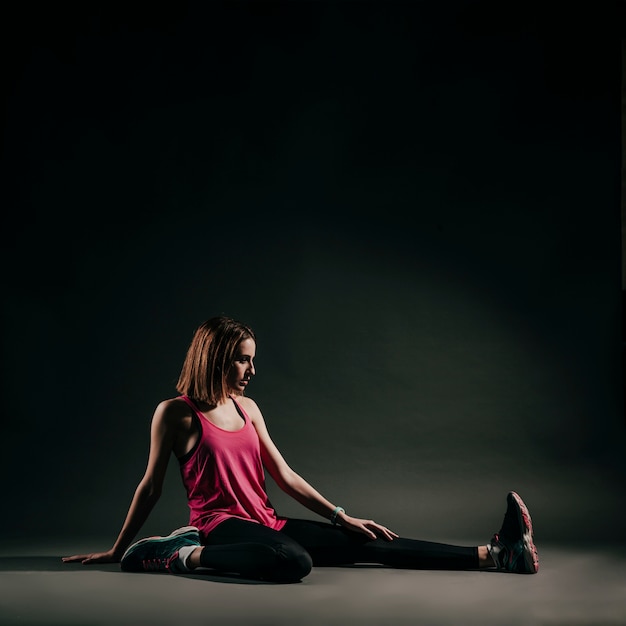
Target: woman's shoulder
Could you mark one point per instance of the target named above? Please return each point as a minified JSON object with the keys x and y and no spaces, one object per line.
{"x":172,"y":409}
{"x":249,"y":406}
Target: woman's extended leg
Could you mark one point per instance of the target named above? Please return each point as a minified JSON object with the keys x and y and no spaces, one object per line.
{"x":331,"y":545}
{"x":511,"y":549}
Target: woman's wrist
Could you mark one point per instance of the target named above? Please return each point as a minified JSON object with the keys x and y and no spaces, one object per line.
{"x":117,"y":550}
{"x":335,"y":515}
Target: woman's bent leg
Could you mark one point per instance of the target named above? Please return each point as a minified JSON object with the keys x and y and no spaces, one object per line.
{"x":332,"y":545}
{"x":255,"y":551}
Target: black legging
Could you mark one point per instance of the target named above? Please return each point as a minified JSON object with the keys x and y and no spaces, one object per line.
{"x":256,"y":551}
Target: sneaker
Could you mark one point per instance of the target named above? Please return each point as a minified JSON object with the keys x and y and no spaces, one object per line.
{"x":513,"y":549}
{"x":160,"y":554}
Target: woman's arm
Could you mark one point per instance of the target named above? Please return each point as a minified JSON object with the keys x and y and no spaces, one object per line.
{"x":298,"y":488}
{"x":162,"y":436}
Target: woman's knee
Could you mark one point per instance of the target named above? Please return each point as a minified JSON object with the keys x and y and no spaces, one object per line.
{"x":293,"y":563}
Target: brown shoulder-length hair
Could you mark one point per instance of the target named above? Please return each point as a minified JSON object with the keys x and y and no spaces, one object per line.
{"x":209,"y":358}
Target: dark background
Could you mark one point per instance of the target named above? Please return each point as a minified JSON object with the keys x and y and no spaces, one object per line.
{"x":415,"y":205}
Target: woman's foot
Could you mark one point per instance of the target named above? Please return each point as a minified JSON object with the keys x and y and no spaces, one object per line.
{"x":160,"y":554}
{"x":512,"y":548}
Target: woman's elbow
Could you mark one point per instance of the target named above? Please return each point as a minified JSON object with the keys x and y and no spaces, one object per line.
{"x":149,"y":490}
{"x":290,"y":480}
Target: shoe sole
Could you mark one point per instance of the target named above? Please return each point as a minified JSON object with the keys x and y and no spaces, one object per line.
{"x":531,"y":558}
{"x":176,"y":533}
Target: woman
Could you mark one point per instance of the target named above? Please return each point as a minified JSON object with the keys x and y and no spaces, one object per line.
{"x":223,"y":446}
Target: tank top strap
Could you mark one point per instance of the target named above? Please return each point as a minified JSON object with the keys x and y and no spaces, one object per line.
{"x":190,"y":402}
{"x":240,"y":410}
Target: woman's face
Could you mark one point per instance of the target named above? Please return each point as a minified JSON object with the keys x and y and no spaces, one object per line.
{"x":242,"y":369}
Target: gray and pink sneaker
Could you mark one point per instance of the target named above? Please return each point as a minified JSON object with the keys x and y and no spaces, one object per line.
{"x":512,"y":548}
{"x":160,"y":554}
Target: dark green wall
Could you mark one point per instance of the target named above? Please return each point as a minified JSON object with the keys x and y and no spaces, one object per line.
{"x":416,"y":207}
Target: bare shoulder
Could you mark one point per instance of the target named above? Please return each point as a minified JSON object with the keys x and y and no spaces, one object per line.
{"x":251,"y":408}
{"x":172,"y":411}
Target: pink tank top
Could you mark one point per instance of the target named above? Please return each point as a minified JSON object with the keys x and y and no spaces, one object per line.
{"x":223,"y":475}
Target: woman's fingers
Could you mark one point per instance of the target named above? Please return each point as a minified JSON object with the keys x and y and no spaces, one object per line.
{"x":86,"y":559}
{"x":369,"y":532}
{"x":383,"y":531}
{"x":75,"y":558}
{"x":370,"y":528}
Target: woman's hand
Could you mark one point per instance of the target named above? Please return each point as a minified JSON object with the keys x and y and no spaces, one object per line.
{"x":97,"y":557}
{"x":367,"y":527}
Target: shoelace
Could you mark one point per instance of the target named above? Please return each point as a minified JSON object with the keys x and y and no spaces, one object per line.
{"x":155,"y":564}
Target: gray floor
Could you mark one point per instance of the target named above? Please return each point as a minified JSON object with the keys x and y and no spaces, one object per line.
{"x":575,"y":586}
